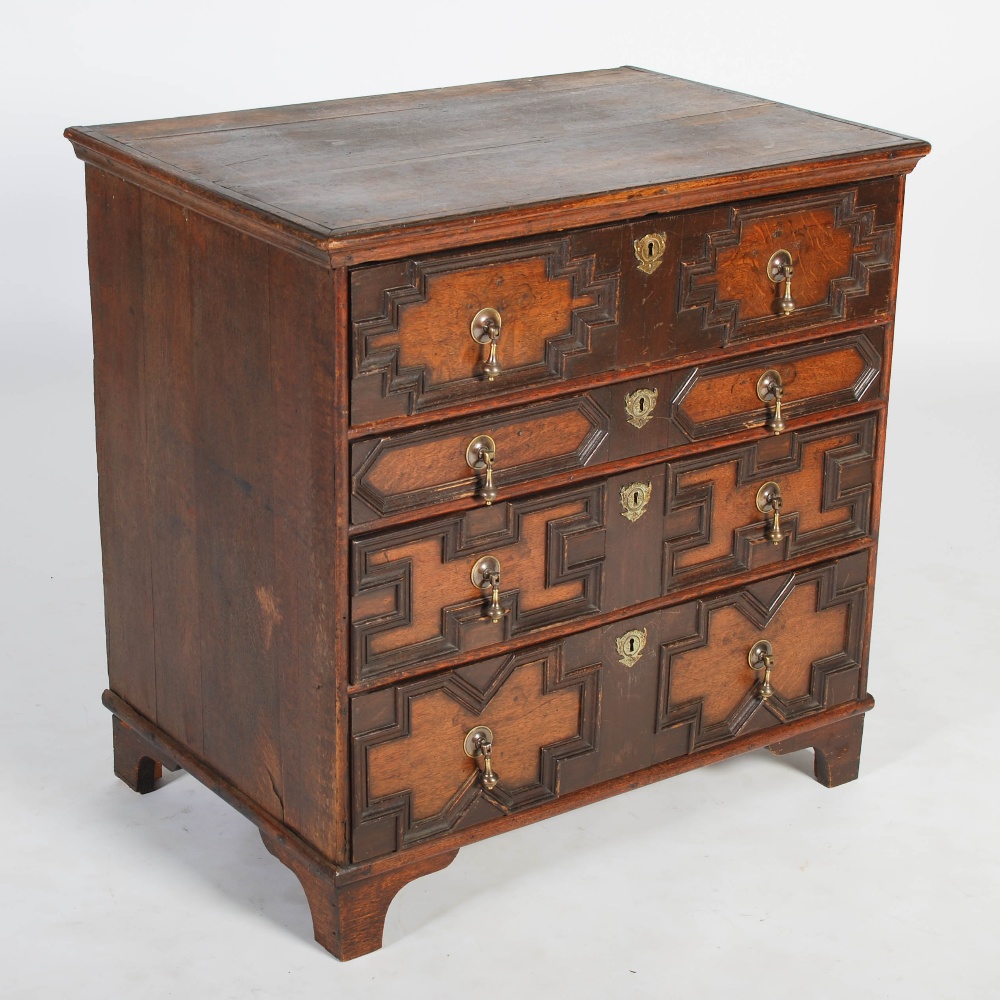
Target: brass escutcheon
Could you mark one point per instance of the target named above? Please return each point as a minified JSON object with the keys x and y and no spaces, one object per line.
{"x":639,"y":406}
{"x":649,"y":251}
{"x":630,"y":647}
{"x":634,"y":498}
{"x":479,"y":745}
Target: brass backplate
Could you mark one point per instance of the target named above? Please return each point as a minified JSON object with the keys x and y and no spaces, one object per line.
{"x":767,"y":384}
{"x":482,"y":323}
{"x":757,"y":652}
{"x":483,"y":570}
{"x":649,"y":251}
{"x":634,"y":498}
{"x":478,"y":448}
{"x":765,"y":495}
{"x":780,"y":259}
{"x":475,"y":737}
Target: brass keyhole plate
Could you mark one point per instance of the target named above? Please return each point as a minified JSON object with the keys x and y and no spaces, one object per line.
{"x":630,"y":647}
{"x":780,"y":259}
{"x":634,"y":499}
{"x":639,"y":406}
{"x":649,"y":251}
{"x":765,"y":497}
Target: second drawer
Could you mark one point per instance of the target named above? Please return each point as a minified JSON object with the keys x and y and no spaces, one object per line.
{"x":410,"y":470}
{"x":460,"y":583}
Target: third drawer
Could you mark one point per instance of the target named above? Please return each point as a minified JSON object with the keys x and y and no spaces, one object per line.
{"x":573,"y":553}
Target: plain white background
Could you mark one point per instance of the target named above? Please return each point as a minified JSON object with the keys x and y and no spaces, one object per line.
{"x":746,"y":877}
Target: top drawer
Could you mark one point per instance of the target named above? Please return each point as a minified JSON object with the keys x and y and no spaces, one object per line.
{"x":605,"y":299}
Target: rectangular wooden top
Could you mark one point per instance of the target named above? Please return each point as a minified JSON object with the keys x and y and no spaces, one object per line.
{"x":379,"y":177}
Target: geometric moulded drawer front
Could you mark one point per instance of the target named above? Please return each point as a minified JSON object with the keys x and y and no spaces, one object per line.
{"x":571,"y":554}
{"x":553,"y":305}
{"x":412,"y":470}
{"x":573,"y":713}
{"x":723,"y":398}
{"x":840,"y":244}
{"x":413,"y":597}
{"x":824,"y":476}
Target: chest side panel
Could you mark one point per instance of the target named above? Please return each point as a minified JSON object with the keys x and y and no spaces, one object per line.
{"x":216,"y":434}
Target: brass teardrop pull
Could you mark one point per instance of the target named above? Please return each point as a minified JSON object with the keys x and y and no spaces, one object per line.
{"x":479,"y":746}
{"x":761,"y":657}
{"x":486,"y":576}
{"x":770,"y":390}
{"x":769,"y":502}
{"x":780,"y":271}
{"x":486,"y":330}
{"x":480,"y":456}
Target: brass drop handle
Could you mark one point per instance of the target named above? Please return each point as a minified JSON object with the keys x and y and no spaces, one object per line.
{"x":780,"y":270}
{"x":479,"y":746}
{"x":769,"y":502}
{"x":480,"y":456}
{"x":761,"y":657}
{"x":486,"y":576}
{"x":770,"y":390}
{"x":486,"y":330}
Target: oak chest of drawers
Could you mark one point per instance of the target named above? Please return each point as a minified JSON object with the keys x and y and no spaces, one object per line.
{"x":469,"y":455}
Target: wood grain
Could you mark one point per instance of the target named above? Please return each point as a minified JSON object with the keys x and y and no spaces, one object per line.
{"x":843,"y":247}
{"x":523,"y":719}
{"x":413,"y":471}
{"x":411,"y":322}
{"x":413,"y":596}
{"x":116,"y":287}
{"x":217,"y":500}
{"x":713,"y":526}
{"x":434,"y":333}
{"x":715,"y":397}
{"x":551,"y":142}
{"x":718,"y":675}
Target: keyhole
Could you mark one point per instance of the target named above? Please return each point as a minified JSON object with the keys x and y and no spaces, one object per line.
{"x":642,"y":403}
{"x":649,"y":249}
{"x":631,"y":645}
{"x":635,"y":498}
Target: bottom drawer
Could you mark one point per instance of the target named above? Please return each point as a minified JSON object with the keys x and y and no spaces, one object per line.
{"x":603,"y":703}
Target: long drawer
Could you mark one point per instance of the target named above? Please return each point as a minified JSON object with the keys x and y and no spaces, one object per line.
{"x":602,"y":703}
{"x":411,"y":470}
{"x":458,"y":329}
{"x":463,"y":582}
